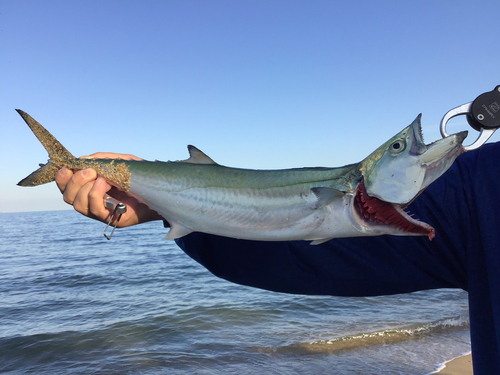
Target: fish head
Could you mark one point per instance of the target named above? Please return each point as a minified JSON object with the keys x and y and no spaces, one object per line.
{"x":396,"y":173}
{"x":404,"y":166}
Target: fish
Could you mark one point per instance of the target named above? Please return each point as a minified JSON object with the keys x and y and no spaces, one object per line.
{"x":314,"y":204}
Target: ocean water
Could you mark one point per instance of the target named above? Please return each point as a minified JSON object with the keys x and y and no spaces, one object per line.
{"x":72,"y":302}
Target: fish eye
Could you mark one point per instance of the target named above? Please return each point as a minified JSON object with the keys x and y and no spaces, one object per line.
{"x":397,"y":146}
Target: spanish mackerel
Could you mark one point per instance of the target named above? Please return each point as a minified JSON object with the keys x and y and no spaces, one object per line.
{"x":314,"y":204}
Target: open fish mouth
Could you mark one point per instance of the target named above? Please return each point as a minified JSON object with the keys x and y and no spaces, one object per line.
{"x":373,"y":211}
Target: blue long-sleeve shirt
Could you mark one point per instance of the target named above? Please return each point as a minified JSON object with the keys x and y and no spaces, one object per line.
{"x":463,"y":206}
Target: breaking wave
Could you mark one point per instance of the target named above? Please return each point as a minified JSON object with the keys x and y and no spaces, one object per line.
{"x":383,"y":337}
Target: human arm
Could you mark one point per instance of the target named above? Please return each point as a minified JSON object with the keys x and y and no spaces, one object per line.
{"x":363,"y":266}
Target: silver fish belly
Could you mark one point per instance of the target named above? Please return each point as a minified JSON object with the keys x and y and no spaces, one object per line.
{"x":247,"y":204}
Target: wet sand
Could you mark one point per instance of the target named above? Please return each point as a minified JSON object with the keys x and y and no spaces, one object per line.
{"x":458,"y":366}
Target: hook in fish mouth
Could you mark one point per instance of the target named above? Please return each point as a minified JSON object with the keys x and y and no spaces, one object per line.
{"x":375,"y":211}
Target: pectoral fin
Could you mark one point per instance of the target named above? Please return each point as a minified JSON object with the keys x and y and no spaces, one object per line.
{"x":177,"y":231}
{"x":326,"y":195}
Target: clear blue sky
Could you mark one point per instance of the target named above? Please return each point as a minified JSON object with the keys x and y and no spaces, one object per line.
{"x":254,"y":84}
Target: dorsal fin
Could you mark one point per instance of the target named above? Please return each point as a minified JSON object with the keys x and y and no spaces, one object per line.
{"x":197,"y":157}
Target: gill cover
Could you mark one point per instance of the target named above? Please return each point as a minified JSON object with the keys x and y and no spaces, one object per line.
{"x":398,"y":170}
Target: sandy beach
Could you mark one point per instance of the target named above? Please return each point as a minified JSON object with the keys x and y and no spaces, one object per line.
{"x":458,"y":366}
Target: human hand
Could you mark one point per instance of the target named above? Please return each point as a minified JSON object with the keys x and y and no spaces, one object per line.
{"x":85,"y":192}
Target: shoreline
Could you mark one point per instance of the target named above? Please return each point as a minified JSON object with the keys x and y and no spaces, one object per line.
{"x":461,"y":365}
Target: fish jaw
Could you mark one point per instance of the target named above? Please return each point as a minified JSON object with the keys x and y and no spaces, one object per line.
{"x":404,"y":166}
{"x":440,"y":155}
{"x":373,"y":215}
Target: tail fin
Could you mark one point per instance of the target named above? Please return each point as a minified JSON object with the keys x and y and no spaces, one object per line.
{"x":57,"y":154}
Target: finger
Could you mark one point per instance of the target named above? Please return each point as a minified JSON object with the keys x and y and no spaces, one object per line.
{"x":62,"y":178}
{"x":96,"y":196}
{"x":76,"y":183}
{"x":110,"y":155}
{"x":81,"y":201}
